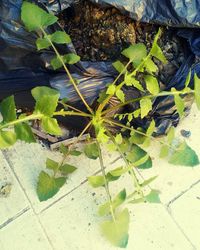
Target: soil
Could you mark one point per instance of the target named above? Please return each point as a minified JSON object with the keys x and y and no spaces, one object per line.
{"x":100,"y":34}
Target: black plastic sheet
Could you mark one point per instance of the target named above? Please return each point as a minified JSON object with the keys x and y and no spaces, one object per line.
{"x":22,"y":67}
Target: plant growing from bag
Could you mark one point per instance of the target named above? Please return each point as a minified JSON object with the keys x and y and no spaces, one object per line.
{"x":129,"y":142}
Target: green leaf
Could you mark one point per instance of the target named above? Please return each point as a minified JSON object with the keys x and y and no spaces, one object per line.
{"x":153,"y":197}
{"x":151,"y":128}
{"x":157,"y":52}
{"x":116,"y":202}
{"x":50,"y":125}
{"x":152,"y":84}
{"x":56,"y":63}
{"x":137,"y":138}
{"x":131,"y":81}
{"x":164,"y":151}
{"x":111,"y":89}
{"x":51,"y":164}
{"x":35,"y":18}
{"x":179,"y":105}
{"x":71,"y":58}
{"x":122,"y":170}
{"x":117,"y":231}
{"x":136,"y":53}
{"x":171,"y":135}
{"x":75,"y":152}
{"x":120,"y":95}
{"x":42,"y":43}
{"x":118,"y":138}
{"x":24,"y":133}
{"x":48,"y":186}
{"x":197,"y":90}
{"x":63,"y":149}
{"x":60,"y":37}
{"x":136,"y":153}
{"x":46,"y":100}
{"x":96,"y":181}
{"x":146,"y":106}
{"x":67,"y":169}
{"x":119,"y":66}
{"x":188,"y":78}
{"x":7,"y":109}
{"x":150,"y":66}
{"x":185,"y":156}
{"x":91,"y":151}
{"x":101,"y":136}
{"x":148,"y":181}
{"x":7,"y":139}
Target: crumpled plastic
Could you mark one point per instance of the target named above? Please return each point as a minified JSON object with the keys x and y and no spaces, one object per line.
{"x":22,"y":67}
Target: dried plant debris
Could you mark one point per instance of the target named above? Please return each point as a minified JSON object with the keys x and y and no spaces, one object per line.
{"x":5,"y":189}
{"x":100,"y":34}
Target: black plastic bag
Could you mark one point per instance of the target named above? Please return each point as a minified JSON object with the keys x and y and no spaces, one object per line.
{"x":22,"y":67}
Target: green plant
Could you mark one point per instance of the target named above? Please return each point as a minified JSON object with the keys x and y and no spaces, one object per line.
{"x":130,"y":147}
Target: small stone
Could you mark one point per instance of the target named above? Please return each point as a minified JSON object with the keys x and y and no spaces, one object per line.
{"x":185,"y":133}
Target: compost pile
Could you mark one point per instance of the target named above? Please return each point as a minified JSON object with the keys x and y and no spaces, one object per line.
{"x":100,"y":34}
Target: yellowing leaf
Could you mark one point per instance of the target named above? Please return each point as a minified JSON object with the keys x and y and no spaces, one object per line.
{"x":136,"y":53}
{"x":50,"y":125}
{"x":119,"y":66}
{"x":150,"y":66}
{"x":146,"y":106}
{"x":152,"y":84}
{"x":111,"y":89}
{"x":117,"y":231}
{"x":7,"y":139}
{"x":120,"y":95}
{"x":197,"y":90}
{"x":179,"y":105}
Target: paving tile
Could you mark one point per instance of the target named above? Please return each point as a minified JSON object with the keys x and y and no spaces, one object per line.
{"x":186,"y":212}
{"x":24,"y":233}
{"x":73,"y":224}
{"x":12,"y":199}
{"x":173,"y":180}
{"x":28,"y":160}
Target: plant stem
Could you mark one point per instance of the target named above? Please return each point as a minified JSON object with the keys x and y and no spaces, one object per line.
{"x":73,"y":113}
{"x":105,"y":102}
{"x":132,"y":173}
{"x":164,"y":93}
{"x":76,"y":141}
{"x":67,"y":71}
{"x":71,"y":107}
{"x":105,"y":181}
{"x":20,"y":120}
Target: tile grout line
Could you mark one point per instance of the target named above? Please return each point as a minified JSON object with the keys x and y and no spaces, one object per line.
{"x":179,"y":227}
{"x":168,"y":209}
{"x":36,"y":215}
{"x":19,"y":214}
{"x":181,"y":194}
{"x":71,"y":191}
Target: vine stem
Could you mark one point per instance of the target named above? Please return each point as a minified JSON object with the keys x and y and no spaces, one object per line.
{"x":139,"y":132}
{"x":39,"y":116}
{"x":132,"y":173}
{"x":65,"y":105}
{"x":105,"y":181}
{"x":164,"y":93}
{"x":67,"y":71}
{"x":76,"y":141}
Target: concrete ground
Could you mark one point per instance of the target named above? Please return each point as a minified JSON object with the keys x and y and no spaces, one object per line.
{"x":69,"y":220}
